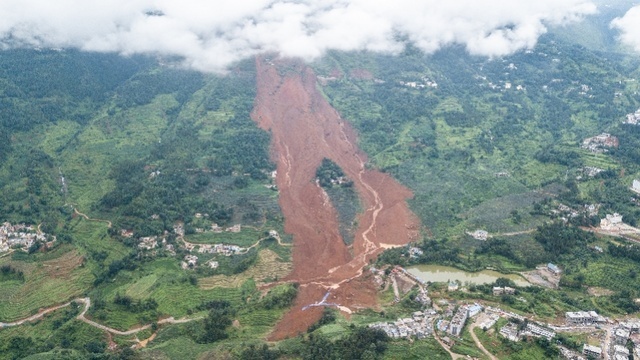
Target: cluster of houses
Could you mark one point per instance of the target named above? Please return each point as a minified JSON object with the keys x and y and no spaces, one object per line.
{"x":20,"y":236}
{"x":215,"y":228}
{"x":502,"y":86}
{"x":420,"y":325}
{"x":423,"y":297}
{"x":151,"y":242}
{"x":591,"y":171}
{"x":415,"y":252}
{"x":191,"y":262}
{"x":621,"y":336}
{"x":148,"y":243}
{"x":633,"y":118}
{"x":584,"y":89}
{"x":221,"y":249}
{"x":599,"y":143}
{"x":566,"y":212}
{"x":619,"y":350}
{"x":508,"y":85}
{"x":514,"y":332}
{"x":426,"y":83}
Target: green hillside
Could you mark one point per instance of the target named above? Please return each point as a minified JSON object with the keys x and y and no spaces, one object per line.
{"x":103,"y":151}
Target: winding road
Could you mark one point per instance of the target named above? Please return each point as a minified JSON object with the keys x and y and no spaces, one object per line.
{"x":75,"y":211}
{"x":87,"y":304}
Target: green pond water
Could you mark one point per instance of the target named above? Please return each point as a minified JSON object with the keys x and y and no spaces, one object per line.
{"x":438,"y":273}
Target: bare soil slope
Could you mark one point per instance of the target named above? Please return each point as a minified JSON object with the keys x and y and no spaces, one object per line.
{"x":305,"y":129}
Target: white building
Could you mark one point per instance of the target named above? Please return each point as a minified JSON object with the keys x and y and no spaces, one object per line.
{"x":480,"y":235}
{"x":540,"y":331}
{"x":611,"y":221}
{"x":621,"y":352}
{"x":190,"y":262}
{"x":458,"y":321}
{"x":583,"y":318}
{"x":554,"y":269}
{"x":621,"y":336}
{"x":510,"y":331}
{"x":594,"y":351}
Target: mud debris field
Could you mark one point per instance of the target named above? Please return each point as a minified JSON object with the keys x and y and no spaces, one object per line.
{"x":305,"y":129}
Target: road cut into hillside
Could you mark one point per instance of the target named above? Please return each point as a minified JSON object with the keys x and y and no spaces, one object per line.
{"x":304,"y":130}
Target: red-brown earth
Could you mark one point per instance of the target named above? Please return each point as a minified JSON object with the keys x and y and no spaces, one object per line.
{"x":305,"y":129}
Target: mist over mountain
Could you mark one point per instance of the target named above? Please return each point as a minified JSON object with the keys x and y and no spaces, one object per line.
{"x":332,"y":179}
{"x":210,"y":36}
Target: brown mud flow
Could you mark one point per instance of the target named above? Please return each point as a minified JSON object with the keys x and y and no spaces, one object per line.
{"x":305,"y":129}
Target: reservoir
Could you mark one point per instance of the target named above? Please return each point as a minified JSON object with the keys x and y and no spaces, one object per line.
{"x":438,"y":273}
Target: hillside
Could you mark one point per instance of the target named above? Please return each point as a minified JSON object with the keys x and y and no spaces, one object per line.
{"x":290,"y":181}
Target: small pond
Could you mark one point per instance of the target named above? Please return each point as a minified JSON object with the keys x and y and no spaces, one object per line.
{"x":438,"y":273}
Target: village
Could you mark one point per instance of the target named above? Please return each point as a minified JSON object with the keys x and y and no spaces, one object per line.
{"x":21,"y":236}
{"x":600,"y":143}
{"x":150,"y":244}
{"x":426,"y":83}
{"x":445,"y":319}
{"x":632,"y":118}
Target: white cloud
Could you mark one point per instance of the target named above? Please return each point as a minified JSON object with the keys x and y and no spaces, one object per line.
{"x":629,"y":27}
{"x":210,"y":35}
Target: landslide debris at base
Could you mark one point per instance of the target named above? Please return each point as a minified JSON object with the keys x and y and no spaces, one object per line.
{"x":305,"y":129}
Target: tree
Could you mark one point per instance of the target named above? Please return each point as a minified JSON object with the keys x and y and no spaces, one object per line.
{"x":214,"y":326}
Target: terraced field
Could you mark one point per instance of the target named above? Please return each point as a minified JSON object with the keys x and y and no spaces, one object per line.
{"x":47,"y":283}
{"x":268,"y":267}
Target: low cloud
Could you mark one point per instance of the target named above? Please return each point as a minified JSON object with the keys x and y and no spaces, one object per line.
{"x":211,"y":35}
{"x":629,"y":27}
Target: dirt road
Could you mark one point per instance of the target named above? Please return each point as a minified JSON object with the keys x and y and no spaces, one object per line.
{"x":305,"y":129}
{"x":479,"y":344}
{"x":81,"y":317}
{"x":453,"y":355}
{"x":90,"y":219}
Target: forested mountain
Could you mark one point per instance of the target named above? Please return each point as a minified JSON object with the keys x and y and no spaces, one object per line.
{"x":132,"y":163}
